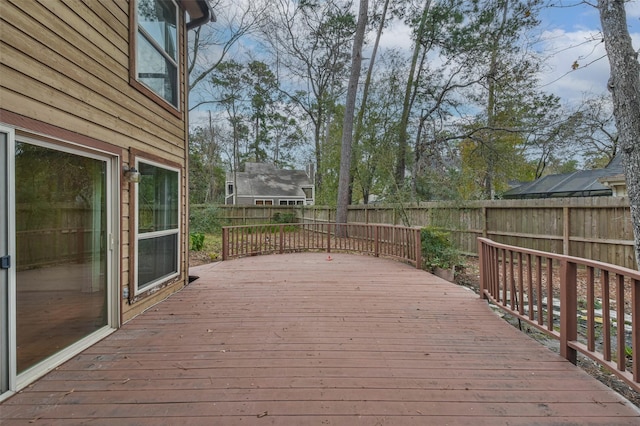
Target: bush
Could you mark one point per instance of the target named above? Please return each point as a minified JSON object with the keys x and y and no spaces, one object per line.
{"x":205,"y":219}
{"x":437,"y":249}
{"x":283,"y":218}
{"x":196,"y":240}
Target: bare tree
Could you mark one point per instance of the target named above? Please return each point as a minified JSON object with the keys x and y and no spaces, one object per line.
{"x":209,"y":45}
{"x":349,"y":113}
{"x":624,"y":85}
{"x":310,"y":42}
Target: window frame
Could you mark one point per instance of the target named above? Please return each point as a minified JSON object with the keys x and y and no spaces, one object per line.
{"x":133,"y":59}
{"x":138,"y":236}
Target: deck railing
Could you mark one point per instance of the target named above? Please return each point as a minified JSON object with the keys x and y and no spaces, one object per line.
{"x":398,"y":242}
{"x":591,"y":307}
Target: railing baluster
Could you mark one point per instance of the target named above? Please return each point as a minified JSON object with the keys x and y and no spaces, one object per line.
{"x":591,"y":318}
{"x":620,"y":322}
{"x":539,"y":294}
{"x":518,"y":295}
{"x":503,"y":279}
{"x":550,"y":295}
{"x":530,"y":283}
{"x":606,"y":317}
{"x":512,"y":287}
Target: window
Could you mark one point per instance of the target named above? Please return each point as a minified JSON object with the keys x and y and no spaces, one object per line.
{"x":230,"y":188}
{"x":157,"y":48}
{"x":264,"y":202}
{"x":158,"y":224}
{"x":291,"y":202}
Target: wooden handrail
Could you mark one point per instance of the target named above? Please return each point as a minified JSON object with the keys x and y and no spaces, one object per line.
{"x":507,"y":280}
{"x":399,"y":242}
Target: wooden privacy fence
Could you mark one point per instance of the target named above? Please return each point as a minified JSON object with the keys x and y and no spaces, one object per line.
{"x":591,"y":307}
{"x":398,"y":242}
{"x":597,"y":228}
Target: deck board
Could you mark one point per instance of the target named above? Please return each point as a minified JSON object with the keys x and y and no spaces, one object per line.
{"x":299,"y":340}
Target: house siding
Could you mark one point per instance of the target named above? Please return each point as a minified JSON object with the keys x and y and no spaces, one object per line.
{"x":65,"y":65}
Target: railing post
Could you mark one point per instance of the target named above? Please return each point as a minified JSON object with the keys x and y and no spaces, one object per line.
{"x":418,"y":248}
{"x":483,"y":274}
{"x":568,"y":309}
{"x":225,"y":243}
{"x":281,"y":239}
{"x":635,"y":329}
{"x":376,"y":238}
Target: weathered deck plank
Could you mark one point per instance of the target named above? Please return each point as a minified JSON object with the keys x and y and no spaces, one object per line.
{"x":300,"y":340}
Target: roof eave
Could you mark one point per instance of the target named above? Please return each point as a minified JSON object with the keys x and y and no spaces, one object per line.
{"x":199,"y":11}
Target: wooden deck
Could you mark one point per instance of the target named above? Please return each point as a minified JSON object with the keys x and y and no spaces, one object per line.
{"x":298,"y":339}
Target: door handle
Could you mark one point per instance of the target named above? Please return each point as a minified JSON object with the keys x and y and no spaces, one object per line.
{"x":5,"y":262}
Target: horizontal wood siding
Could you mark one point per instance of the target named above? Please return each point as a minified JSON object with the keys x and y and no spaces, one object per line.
{"x":65,"y":63}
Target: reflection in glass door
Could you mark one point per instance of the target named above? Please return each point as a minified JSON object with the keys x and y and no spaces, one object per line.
{"x":61,"y":249}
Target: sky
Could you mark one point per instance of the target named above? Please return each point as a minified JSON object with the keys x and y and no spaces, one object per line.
{"x":566,"y":36}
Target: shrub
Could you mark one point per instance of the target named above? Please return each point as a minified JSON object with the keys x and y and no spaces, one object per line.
{"x":283,"y":218}
{"x":196,"y":240}
{"x":205,"y":219}
{"x":437,"y":249}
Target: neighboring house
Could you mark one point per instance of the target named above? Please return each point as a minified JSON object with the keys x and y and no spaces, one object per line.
{"x":265,"y":185}
{"x":585,"y":183}
{"x":93,"y":171}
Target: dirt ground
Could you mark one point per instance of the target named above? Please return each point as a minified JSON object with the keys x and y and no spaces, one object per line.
{"x":470,"y":278}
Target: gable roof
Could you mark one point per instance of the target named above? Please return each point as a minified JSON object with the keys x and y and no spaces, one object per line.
{"x":260,"y":179}
{"x":583,"y":183}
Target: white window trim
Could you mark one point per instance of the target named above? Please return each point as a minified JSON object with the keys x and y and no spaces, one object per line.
{"x":148,"y":235}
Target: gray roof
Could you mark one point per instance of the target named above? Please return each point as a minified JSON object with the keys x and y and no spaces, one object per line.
{"x":261,"y":179}
{"x":582,"y":183}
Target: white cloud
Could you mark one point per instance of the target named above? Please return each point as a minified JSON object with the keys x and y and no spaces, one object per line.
{"x":564,"y":50}
{"x":397,"y":36}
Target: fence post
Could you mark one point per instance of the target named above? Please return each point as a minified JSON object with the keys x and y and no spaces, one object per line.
{"x":225,"y":243}
{"x":483,"y":275}
{"x":328,"y":237}
{"x":568,"y":309}
{"x":566,"y":230}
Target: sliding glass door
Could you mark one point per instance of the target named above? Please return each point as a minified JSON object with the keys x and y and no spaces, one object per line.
{"x":61,"y":241}
{"x":58,"y":256}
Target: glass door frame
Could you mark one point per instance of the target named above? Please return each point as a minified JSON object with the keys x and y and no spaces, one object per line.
{"x":112,"y":162}
{"x":8,"y":300}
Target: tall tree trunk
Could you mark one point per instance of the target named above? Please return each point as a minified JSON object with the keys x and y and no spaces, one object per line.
{"x":491,"y":107}
{"x":349,"y":112}
{"x":406,"y":107}
{"x":365,"y":94}
{"x":624,"y":85}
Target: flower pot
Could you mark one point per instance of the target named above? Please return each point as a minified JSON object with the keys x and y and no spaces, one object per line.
{"x":445,"y":274}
